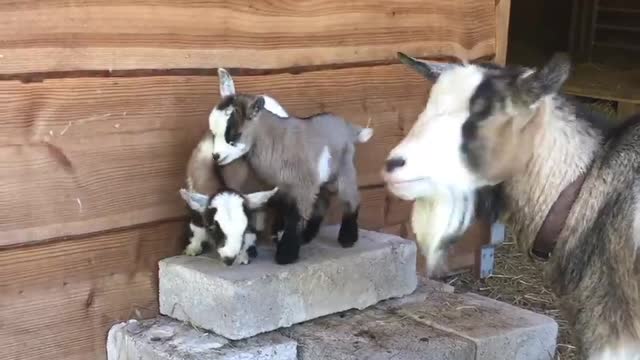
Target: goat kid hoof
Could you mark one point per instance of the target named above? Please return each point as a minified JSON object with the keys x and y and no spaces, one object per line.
{"x":286,"y":256}
{"x":347,"y":244}
{"x":252,"y":251}
{"x":347,"y":241}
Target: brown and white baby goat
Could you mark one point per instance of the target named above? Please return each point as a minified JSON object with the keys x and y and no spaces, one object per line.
{"x":568,"y":182}
{"x":307,"y":159}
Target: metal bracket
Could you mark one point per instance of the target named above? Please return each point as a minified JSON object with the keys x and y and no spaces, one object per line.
{"x":486,"y":261}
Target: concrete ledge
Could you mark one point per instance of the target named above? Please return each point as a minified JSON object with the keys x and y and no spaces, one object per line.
{"x":432,"y":323}
{"x":241,"y":301}
{"x":163,"y":338}
{"x":499,"y":331}
{"x":375,"y":334}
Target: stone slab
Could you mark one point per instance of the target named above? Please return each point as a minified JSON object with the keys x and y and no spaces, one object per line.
{"x":163,"y":338}
{"x":241,"y":301}
{"x":499,"y":331}
{"x":375,"y":334}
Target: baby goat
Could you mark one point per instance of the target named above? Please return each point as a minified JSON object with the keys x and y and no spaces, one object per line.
{"x":225,"y":219}
{"x":308,"y":159}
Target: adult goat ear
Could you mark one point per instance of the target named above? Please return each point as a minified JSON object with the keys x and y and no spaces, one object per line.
{"x":258,"y":199}
{"x":226,"y":83}
{"x":196,"y":201}
{"x":431,"y":70}
{"x":257,"y":106}
{"x":534,"y":85}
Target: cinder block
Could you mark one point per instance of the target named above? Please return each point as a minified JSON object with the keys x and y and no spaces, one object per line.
{"x":163,"y":338}
{"x":241,"y":301}
{"x":375,"y":334}
{"x":500,"y":331}
{"x":425,"y":289}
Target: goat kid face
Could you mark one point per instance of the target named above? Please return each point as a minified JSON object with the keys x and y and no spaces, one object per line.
{"x":479,"y":127}
{"x":230,"y":117}
{"x":226,"y":217}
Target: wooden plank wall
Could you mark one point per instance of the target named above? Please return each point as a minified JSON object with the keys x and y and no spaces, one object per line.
{"x":102,"y":101}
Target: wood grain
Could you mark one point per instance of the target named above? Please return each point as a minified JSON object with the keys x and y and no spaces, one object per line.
{"x":56,"y":35}
{"x":372,"y":209}
{"x":398,"y":211}
{"x":85,"y":155}
{"x":59,"y":299}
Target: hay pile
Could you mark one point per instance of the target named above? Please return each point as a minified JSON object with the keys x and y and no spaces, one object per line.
{"x":518,"y":281}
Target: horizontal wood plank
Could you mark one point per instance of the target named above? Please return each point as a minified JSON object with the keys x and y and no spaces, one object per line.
{"x":56,"y":35}
{"x":398,"y":211}
{"x":371,"y":215}
{"x":59,"y":299}
{"x":86,"y":155}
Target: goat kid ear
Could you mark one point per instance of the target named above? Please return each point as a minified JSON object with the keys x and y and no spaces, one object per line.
{"x":226,"y":83}
{"x":258,"y":199}
{"x":431,"y":70}
{"x":534,"y":85}
{"x":257,"y":105}
{"x":196,"y":201}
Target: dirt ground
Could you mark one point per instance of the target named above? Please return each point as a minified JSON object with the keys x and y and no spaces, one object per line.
{"x":518,"y":281}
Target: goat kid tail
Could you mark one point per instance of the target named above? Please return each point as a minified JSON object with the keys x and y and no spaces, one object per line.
{"x":361,"y":135}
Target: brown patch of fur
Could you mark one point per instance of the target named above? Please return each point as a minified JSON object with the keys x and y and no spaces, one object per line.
{"x":508,"y":144}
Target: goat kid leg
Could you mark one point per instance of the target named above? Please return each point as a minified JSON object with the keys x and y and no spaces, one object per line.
{"x":317,"y":216}
{"x":248,"y":251}
{"x":288,"y":248}
{"x":350,"y":196}
{"x":197,"y":237}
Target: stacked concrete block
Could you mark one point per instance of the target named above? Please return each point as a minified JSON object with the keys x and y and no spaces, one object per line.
{"x":242,"y":301}
{"x":364,"y":302}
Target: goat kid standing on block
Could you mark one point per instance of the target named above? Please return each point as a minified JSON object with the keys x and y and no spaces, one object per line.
{"x":307,"y":159}
{"x":567,"y":181}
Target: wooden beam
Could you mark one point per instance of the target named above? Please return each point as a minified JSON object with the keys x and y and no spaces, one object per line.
{"x":372,"y":206}
{"x":86,"y":155}
{"x":502,"y":17}
{"x":161,"y":34}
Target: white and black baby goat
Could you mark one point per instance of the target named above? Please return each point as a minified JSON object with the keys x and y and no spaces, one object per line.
{"x":306,"y":158}
{"x":227,"y":218}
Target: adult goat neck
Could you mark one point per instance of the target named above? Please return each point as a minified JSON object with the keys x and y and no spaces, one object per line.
{"x":307,"y":159}
{"x":567,"y":182}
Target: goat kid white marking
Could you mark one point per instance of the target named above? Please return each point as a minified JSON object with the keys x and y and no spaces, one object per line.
{"x":432,"y":149}
{"x":218,"y":122}
{"x":324,"y":165}
{"x":365,"y":135}
{"x":232,"y":220}
{"x":243,"y":257}
{"x":195,"y":242}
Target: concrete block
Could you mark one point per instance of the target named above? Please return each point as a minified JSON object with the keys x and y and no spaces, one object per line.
{"x":375,"y":334}
{"x":499,"y":330}
{"x":425,"y":289}
{"x":241,"y":301}
{"x":163,"y":338}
